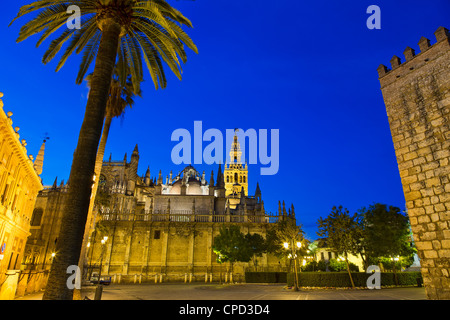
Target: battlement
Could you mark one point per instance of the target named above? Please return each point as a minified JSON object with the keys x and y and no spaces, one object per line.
{"x":413,"y":60}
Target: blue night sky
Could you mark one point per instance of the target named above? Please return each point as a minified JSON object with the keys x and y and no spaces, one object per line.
{"x":307,"y":68}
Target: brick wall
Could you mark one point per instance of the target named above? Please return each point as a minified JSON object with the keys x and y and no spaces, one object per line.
{"x":417,"y":98}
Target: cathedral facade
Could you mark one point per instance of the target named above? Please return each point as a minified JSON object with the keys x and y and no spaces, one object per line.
{"x":146,"y":228}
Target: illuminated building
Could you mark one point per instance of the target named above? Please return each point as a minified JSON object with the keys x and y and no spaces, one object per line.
{"x":19,"y":186}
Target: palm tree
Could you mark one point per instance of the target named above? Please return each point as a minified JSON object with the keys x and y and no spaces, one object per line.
{"x":120,"y":97}
{"x":113,"y":32}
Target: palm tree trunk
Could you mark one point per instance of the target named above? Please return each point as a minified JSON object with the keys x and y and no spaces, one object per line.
{"x":90,"y":219}
{"x":83,"y":165}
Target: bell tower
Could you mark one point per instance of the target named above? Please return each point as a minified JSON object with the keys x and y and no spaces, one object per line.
{"x":236,"y":173}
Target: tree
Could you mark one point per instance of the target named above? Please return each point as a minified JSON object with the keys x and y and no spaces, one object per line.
{"x":285,"y":231}
{"x":287,"y":240}
{"x":120,"y":97}
{"x":113,"y":32}
{"x":257,"y":245}
{"x":232,"y":245}
{"x":386,"y":235}
{"x":342,"y":232}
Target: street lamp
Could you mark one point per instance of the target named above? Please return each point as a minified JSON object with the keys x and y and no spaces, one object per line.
{"x":99,"y":289}
{"x":293,"y":255}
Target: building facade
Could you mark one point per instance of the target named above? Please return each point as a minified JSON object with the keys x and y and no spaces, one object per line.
{"x":156,"y":229}
{"x":19,"y":186}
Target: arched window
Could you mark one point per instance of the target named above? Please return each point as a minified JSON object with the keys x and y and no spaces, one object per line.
{"x":236,"y":177}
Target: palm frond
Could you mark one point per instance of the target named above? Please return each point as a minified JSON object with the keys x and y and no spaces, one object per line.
{"x":154,"y":34}
{"x":56,"y":45}
{"x":153,"y":61}
{"x":89,"y":54}
{"x":37,"y":5}
{"x":79,"y":41}
{"x":162,"y":44}
{"x":45,"y":18}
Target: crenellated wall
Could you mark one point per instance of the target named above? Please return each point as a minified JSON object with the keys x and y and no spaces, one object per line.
{"x":416,"y":93}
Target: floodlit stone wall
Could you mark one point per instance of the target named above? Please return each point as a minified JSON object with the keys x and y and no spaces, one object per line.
{"x":417,"y":98}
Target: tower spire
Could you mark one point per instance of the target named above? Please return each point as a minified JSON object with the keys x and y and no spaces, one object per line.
{"x":160,"y":180}
{"x":55,"y":183}
{"x":258,"y":193}
{"x":235,"y":172}
{"x":147,"y":176}
{"x":39,"y":161}
{"x":220,"y":180}
{"x":235,"y":151}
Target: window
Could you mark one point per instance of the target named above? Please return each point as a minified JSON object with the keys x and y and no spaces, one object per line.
{"x":5,"y":193}
{"x":157,"y":234}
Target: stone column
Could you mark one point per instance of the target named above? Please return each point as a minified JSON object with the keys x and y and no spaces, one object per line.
{"x":164,"y":248}
{"x":191,"y":251}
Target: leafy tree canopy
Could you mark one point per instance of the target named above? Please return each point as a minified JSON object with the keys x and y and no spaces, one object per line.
{"x":286,"y":231}
{"x":386,"y":231}
{"x":342,"y":231}
{"x":231,"y":245}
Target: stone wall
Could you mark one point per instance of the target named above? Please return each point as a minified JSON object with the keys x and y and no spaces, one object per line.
{"x":417,"y":98}
{"x":143,"y":250}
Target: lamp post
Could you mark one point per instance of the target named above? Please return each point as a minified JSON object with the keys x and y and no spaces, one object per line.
{"x":395,"y":259}
{"x":99,"y":289}
{"x":293,"y":255}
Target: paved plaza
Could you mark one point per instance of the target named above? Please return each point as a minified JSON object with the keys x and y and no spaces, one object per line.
{"x":255,"y":292}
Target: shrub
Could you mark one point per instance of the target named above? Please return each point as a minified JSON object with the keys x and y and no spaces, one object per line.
{"x":266,"y":277}
{"x":333,"y":265}
{"x":341,"y":279}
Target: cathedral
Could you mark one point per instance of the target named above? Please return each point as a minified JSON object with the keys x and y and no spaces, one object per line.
{"x":146,"y":228}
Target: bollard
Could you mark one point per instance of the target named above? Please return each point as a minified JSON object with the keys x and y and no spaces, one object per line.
{"x":98,"y":292}
{"x":185,"y":277}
